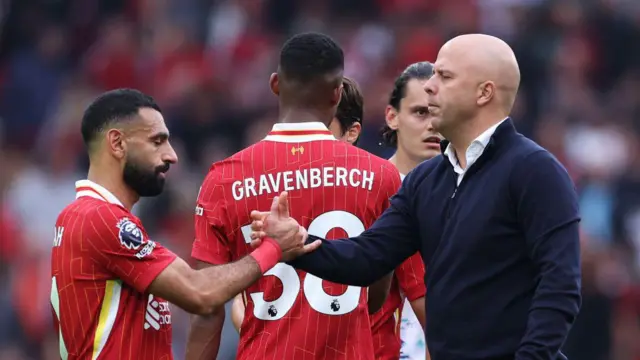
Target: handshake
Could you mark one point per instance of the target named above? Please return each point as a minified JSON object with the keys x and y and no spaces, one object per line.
{"x":284,"y":230}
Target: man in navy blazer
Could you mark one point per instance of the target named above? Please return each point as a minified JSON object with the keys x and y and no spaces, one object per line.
{"x":495,"y":218}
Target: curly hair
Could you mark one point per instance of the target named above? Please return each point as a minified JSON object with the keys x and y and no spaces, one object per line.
{"x":307,"y":56}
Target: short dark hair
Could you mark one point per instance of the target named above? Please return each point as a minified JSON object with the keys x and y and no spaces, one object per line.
{"x":421,"y":71}
{"x":351,"y":107}
{"x":307,"y":56}
{"x":111,"y":107}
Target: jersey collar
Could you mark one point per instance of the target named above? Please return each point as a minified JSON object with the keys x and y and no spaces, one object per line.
{"x":91,"y":189}
{"x":299,"y":132}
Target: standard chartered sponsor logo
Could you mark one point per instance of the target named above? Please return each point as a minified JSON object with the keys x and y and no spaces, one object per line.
{"x":157,"y":314}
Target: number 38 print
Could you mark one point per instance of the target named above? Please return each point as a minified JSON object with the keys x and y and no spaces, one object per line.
{"x":311,"y":286}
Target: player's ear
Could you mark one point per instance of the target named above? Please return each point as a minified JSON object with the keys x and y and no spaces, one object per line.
{"x":486,"y":92}
{"x":337,"y":95}
{"x":116,"y":144}
{"x":353,"y":133}
{"x":274,"y":84}
{"x":391,"y":117}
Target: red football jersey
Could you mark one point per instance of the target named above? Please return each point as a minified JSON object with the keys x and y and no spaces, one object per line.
{"x":101,"y":266}
{"x":335,"y":190}
{"x":408,"y":282}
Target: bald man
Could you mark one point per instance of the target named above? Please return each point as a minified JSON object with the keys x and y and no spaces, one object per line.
{"x":495,"y":218}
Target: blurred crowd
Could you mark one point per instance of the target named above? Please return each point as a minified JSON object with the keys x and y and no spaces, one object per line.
{"x":207,"y":62}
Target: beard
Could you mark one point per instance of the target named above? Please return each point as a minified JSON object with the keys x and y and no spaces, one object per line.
{"x":144,"y":181}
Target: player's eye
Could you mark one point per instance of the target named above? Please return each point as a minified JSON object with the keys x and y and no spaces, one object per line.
{"x":421,"y":112}
{"x":160,"y":139}
{"x":443,"y":75}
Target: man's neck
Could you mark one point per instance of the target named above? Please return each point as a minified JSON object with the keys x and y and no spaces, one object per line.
{"x":463,"y":136}
{"x":108,"y":180}
{"x":403,"y":162}
{"x":304,"y":115}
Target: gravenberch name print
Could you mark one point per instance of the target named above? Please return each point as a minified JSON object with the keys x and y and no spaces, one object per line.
{"x":274,"y":183}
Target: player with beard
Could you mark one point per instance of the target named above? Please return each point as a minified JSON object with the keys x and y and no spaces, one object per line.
{"x":346,"y":126}
{"x":111,"y":283}
{"x":333,"y":188}
{"x":397,"y":328}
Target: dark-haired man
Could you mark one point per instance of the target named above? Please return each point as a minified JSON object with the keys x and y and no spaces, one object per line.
{"x":345,"y":126}
{"x":110,"y":283}
{"x":397,"y":330}
{"x":334,"y":188}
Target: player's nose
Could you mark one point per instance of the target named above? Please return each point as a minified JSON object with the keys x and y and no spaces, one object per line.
{"x":170,"y":155}
{"x":430,"y":86}
{"x":429,"y":125}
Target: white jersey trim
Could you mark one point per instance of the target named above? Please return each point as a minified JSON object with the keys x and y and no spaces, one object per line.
{"x":299,"y":132}
{"x":91,"y":189}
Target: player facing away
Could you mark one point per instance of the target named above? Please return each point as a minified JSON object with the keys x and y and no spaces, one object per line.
{"x":110,"y":283}
{"x":346,"y":125}
{"x":398,"y":326}
{"x":334,"y":188}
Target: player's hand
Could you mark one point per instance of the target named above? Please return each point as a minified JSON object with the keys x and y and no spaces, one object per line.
{"x":258,"y":233}
{"x":257,"y":227}
{"x":278,"y":225}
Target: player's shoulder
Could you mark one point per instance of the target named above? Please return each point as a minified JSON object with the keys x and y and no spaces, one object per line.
{"x":86,"y":207}
{"x":374,"y":162}
{"x":114,"y":215}
{"x":231,"y":167}
{"x":98,"y":216}
{"x":224,"y":173}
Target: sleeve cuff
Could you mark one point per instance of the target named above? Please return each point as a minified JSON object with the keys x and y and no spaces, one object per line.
{"x":143,"y":282}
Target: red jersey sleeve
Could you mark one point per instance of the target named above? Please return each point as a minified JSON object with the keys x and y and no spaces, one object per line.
{"x":211,"y":241}
{"x":410,"y":275}
{"x":390,"y":184}
{"x":122,"y":246}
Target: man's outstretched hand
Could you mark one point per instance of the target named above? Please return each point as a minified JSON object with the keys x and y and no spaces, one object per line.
{"x":278,"y":225}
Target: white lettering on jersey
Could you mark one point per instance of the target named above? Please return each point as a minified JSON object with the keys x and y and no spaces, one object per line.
{"x":275,"y":183}
{"x":57,"y":237}
{"x":311,"y":287}
{"x":157,"y":314}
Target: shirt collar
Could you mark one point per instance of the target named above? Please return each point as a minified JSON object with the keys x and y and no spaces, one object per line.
{"x":91,"y":189}
{"x":299,"y":132}
{"x":475,"y":149}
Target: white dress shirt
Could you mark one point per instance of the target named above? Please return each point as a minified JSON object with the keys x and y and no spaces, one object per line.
{"x":475,"y":149}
